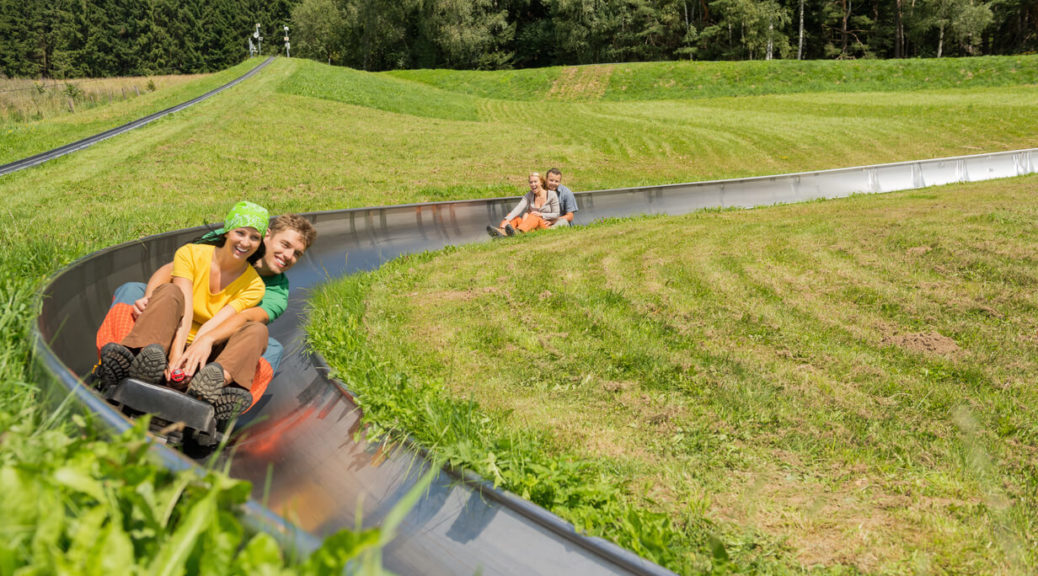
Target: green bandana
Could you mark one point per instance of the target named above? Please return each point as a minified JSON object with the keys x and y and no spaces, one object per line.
{"x":246,"y":214}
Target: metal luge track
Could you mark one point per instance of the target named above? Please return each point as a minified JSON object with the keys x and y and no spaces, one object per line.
{"x":91,"y":140}
{"x":303,"y":432}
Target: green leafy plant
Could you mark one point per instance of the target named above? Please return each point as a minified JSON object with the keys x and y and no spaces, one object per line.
{"x":73,"y":91}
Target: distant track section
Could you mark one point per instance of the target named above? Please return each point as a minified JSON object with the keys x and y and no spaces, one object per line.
{"x":86,"y":142}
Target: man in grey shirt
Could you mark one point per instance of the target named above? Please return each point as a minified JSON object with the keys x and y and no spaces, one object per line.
{"x":567,"y":202}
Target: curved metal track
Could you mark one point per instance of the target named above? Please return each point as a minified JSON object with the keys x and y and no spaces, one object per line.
{"x":90,"y":141}
{"x":301,"y":440}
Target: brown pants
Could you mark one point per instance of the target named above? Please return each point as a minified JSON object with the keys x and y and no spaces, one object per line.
{"x":159,"y":322}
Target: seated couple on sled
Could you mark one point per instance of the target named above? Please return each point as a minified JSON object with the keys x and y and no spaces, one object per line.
{"x":548,"y":204}
{"x":200,"y":323}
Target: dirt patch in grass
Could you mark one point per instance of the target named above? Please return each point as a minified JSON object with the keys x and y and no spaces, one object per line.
{"x":431,"y":298}
{"x":603,"y":439}
{"x":852,"y":519}
{"x":611,"y":386}
{"x":608,"y":445}
{"x":926,"y":342}
{"x":581,"y":83}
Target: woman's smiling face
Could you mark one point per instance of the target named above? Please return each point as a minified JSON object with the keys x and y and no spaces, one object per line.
{"x":243,"y":242}
{"x":535,"y":183}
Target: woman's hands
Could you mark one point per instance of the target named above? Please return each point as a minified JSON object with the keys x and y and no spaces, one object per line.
{"x":193,"y":359}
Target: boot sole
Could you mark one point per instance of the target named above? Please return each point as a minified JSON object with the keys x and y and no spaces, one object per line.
{"x":207,"y":383}
{"x":149,"y":365}
{"x":115,"y":364}
{"x":232,"y":402}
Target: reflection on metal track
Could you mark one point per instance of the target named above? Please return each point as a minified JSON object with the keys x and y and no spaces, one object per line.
{"x":304,"y":430}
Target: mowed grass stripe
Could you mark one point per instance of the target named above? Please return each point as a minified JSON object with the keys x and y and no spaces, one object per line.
{"x":674,"y":141}
{"x":836,"y":385}
{"x":695,"y":80}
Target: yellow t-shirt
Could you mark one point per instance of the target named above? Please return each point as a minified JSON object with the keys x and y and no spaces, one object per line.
{"x":194,"y":261}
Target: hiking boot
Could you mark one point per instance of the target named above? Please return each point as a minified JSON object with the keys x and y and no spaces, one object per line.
{"x":149,"y":365}
{"x":115,"y":364}
{"x":494,"y":232}
{"x":207,"y":383}
{"x":231,"y":402}
{"x":509,"y":230}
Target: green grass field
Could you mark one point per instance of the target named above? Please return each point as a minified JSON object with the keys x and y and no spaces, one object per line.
{"x":302,"y":136}
{"x":829,"y":385}
{"x":22,"y":139}
{"x":694,"y":80}
{"x":26,"y":100}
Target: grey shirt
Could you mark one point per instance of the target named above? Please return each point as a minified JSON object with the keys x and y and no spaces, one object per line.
{"x":567,"y":201}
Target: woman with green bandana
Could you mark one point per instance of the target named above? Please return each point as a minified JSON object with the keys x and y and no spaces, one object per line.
{"x":211,"y":283}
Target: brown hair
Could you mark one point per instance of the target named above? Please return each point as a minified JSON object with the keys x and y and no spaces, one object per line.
{"x":294,"y":222}
{"x":555,"y":171}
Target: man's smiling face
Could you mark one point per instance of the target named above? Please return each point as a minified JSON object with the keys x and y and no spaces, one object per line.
{"x":283,"y":250}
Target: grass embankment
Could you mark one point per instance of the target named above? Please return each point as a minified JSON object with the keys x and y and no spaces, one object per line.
{"x":268,"y":140}
{"x":57,"y":125}
{"x":601,"y":143}
{"x":23,"y":100}
{"x":694,"y":80}
{"x":841,"y":384}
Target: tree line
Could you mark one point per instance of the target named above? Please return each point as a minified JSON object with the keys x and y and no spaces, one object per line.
{"x":490,"y":34}
{"x":69,"y":38}
{"x":78,"y":38}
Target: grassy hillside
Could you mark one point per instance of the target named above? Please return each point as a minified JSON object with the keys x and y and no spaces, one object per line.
{"x":26,"y":138}
{"x":302,"y":136}
{"x":604,"y":144}
{"x":294,"y":151}
{"x":839,"y":385}
{"x":25,"y":100}
{"x":694,"y":80}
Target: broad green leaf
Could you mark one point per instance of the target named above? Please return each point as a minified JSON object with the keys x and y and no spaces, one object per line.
{"x":85,"y":545}
{"x":169,"y":496}
{"x":173,"y":555}
{"x":219,"y":545}
{"x":340,"y":548}
{"x":116,"y":551}
{"x":8,"y":558}
{"x":50,"y":527}
{"x":19,"y":505}
{"x":259,"y":555}
{"x":79,"y":480}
